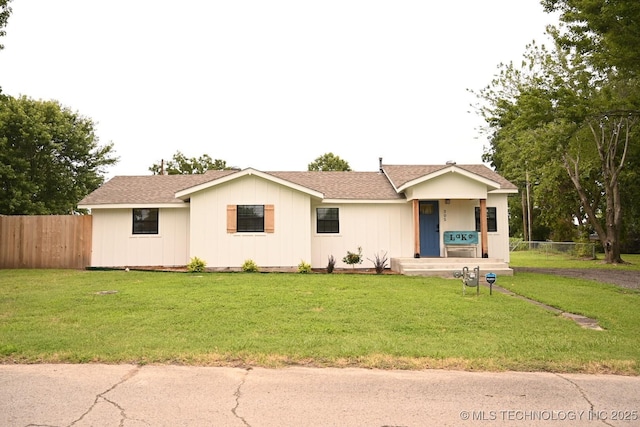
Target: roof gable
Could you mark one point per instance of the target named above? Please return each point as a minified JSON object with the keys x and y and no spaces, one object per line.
{"x":185,"y":193}
{"x":405,"y":176}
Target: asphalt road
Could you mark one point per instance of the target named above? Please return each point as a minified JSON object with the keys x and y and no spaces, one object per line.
{"x":134,"y":396}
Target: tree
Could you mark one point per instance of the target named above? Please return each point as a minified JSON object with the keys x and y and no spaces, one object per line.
{"x":5,"y":11}
{"x":49,"y":157}
{"x":329,"y":162}
{"x":182,"y":165}
{"x":558,"y":112}
{"x":607,"y":33}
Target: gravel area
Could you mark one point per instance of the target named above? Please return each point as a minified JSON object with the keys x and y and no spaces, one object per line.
{"x":624,"y":278}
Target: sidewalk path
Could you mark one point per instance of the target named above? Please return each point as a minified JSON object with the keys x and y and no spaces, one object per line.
{"x":133,"y":396}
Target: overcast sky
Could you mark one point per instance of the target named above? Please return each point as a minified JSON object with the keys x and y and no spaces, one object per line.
{"x":270,"y":84}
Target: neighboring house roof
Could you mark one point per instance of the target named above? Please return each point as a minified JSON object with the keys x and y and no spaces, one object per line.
{"x":162,"y":189}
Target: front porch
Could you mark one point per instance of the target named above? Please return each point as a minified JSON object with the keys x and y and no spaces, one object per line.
{"x":444,"y":267}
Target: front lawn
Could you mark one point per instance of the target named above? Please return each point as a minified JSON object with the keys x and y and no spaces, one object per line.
{"x":277,"y":319}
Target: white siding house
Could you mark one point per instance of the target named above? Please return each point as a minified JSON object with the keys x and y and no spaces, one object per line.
{"x":278,"y":219}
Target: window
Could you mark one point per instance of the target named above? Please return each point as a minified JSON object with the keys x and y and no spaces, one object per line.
{"x":492,"y":222}
{"x":327,"y":220}
{"x":145,"y":221}
{"x":250,"y":218}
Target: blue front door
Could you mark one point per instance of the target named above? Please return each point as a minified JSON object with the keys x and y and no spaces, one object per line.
{"x":429,"y":229}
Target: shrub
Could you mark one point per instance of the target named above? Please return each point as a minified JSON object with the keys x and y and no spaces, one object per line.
{"x":196,"y":265}
{"x":353,"y":258}
{"x":303,"y":267}
{"x":331,"y":264}
{"x":249,"y":266}
{"x":380,"y":262}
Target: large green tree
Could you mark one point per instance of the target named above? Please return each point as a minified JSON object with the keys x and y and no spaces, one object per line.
{"x":183,"y":165}
{"x":49,"y":157}
{"x":607,"y":33}
{"x":329,"y":162}
{"x":557,"y":112}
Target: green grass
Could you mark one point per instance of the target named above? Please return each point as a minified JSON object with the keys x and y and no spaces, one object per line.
{"x":274,"y":320}
{"x":560,"y":260}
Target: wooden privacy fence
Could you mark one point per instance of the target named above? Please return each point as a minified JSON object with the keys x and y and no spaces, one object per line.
{"x":45,"y":241}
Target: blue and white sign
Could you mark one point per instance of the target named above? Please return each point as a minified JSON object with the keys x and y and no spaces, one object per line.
{"x":490,"y":278}
{"x":460,"y":237}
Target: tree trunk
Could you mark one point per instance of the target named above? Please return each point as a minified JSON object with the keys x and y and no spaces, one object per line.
{"x":607,"y":131}
{"x":610,"y":234}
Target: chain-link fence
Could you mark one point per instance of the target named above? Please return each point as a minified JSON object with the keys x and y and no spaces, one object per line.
{"x":580,"y":250}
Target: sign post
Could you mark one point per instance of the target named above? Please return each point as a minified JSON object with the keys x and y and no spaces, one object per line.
{"x":491,"y":279}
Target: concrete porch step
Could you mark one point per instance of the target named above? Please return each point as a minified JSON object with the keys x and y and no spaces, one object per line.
{"x":444,"y":267}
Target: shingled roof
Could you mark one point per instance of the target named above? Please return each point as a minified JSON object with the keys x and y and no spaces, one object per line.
{"x":147,"y":189}
{"x":344,"y":185}
{"x":162,"y":189}
{"x":401,"y":174}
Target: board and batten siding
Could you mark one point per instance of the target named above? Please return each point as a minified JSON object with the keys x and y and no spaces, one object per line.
{"x":376,"y":227}
{"x":499,"y":240}
{"x":115,"y":245}
{"x":214,"y":242}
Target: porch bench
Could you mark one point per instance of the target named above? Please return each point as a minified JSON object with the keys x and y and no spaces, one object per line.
{"x":461,"y":241}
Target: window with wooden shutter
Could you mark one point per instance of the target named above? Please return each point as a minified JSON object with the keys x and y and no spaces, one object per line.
{"x":250,"y":219}
{"x":231,"y":219}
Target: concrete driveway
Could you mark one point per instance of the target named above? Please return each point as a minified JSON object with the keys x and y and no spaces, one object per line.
{"x":133,"y":396}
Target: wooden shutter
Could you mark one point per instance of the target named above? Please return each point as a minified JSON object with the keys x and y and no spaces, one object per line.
{"x":269,"y":219}
{"x":232,"y":219}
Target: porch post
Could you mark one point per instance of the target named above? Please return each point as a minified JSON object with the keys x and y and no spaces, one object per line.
{"x":483,"y":228}
{"x":416,"y":228}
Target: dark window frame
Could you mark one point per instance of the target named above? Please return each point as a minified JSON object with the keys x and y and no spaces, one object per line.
{"x":145,"y":221}
{"x":492,"y":219}
{"x":250,"y":219}
{"x":326,"y":225}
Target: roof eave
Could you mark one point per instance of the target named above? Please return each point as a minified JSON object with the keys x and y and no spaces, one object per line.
{"x":134,"y":205}
{"x":504,"y":191}
{"x":364,"y":201}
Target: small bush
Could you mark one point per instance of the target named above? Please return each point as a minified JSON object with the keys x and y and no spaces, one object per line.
{"x":380,"y":262}
{"x":353,"y":258}
{"x":249,"y":266}
{"x":331,"y":264}
{"x":196,"y":265}
{"x":303,"y":267}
